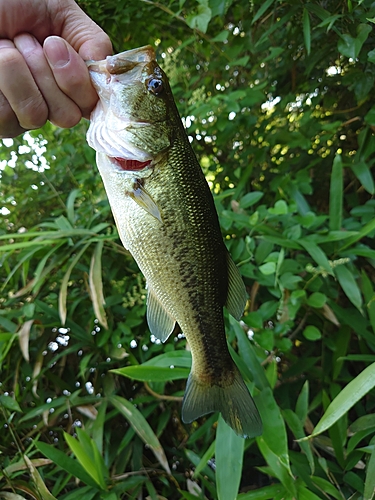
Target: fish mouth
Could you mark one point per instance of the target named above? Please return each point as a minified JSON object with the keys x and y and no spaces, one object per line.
{"x":129,"y":165}
{"x":123,"y":62}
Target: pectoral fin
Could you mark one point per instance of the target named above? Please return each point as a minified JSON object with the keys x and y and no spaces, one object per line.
{"x":237,"y":296}
{"x":144,"y":200}
{"x":159,"y":321}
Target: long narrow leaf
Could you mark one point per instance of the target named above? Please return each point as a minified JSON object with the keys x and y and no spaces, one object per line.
{"x":153,"y":373}
{"x":64,"y":284}
{"x":229,"y":456}
{"x":307,"y":31}
{"x":96,"y":284}
{"x":66,"y":463}
{"x":346,"y":399}
{"x":141,"y":427}
{"x":336,"y":195}
{"x":85,"y":460}
{"x":349,"y":285}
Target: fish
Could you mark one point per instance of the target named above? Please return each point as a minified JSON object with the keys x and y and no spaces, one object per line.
{"x":166,"y":217}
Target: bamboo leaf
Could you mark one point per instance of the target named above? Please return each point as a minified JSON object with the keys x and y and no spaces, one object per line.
{"x":346,"y":399}
{"x":336,"y":195}
{"x":229,"y":456}
{"x":152,"y":373}
{"x":96,"y":284}
{"x":66,"y":463}
{"x":349,"y":285}
{"x":307,"y":31}
{"x":369,"y":492}
{"x":262,"y":10}
{"x":70,"y":205}
{"x":317,"y":254}
{"x":141,"y":427}
{"x":38,"y":481}
{"x":64,"y":285}
{"x":86,"y":460}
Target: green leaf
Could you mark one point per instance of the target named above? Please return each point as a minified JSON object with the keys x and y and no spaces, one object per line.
{"x":70,"y":205}
{"x":296,"y":426}
{"x":152,"y":373}
{"x":64,"y":284}
{"x":262,"y":10}
{"x":369,"y":491}
{"x":317,"y":254}
{"x":65,"y":462}
{"x":96,"y":284}
{"x":250,"y":199}
{"x":317,"y":300}
{"x":9,"y":403}
{"x":346,"y":399}
{"x":266,"y":493}
{"x":363,"y":173}
{"x":349,"y":285}
{"x":311,"y":333}
{"x":274,"y":431}
{"x":141,"y":427}
{"x":229,"y":456}
{"x":38,"y":481}
{"x":86,"y":459}
{"x":351,"y":47}
{"x":205,"y":458}
{"x":278,"y":468}
{"x":201,"y":17}
{"x":336,"y":195}
{"x":306,"y":30}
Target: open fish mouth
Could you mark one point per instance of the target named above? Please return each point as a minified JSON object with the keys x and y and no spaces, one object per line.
{"x":123,"y":62}
{"x":110,"y":129}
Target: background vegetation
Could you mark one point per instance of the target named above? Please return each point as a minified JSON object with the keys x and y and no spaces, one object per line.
{"x":278,"y":100}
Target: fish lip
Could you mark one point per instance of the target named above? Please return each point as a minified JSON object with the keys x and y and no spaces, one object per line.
{"x":123,"y":62}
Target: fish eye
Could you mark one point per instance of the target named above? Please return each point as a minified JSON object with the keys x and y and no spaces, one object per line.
{"x":156,"y":86}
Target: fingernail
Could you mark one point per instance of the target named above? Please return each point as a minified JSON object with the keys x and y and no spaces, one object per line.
{"x":25,"y":43}
{"x":56,"y":52}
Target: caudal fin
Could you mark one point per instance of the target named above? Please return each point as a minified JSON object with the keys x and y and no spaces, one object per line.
{"x":233,"y":401}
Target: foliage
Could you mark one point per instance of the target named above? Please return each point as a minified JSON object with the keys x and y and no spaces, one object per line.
{"x":277,"y":98}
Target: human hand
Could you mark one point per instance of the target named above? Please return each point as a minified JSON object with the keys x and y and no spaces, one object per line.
{"x":43,"y":45}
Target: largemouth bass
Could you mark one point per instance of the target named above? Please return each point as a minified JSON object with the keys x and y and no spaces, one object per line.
{"x":165,"y":215}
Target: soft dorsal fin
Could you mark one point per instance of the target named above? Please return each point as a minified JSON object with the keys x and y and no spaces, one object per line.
{"x":237,"y":296}
{"x":160,"y":322}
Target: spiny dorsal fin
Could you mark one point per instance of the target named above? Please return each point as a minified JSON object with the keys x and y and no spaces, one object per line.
{"x":237,"y":296}
{"x":160,"y":322}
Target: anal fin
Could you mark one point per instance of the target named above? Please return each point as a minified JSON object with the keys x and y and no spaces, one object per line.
{"x":160,"y":322}
{"x":236,"y":296}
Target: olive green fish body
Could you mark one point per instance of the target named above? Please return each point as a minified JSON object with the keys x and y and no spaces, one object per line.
{"x":166,"y":218}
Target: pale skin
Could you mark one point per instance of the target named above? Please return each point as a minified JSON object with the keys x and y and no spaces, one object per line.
{"x":43,"y":76}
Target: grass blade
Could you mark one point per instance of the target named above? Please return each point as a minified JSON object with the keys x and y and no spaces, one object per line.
{"x":369,"y":492}
{"x":229,"y":456}
{"x":346,"y":399}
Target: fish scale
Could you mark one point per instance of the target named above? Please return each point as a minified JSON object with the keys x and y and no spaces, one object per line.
{"x":166,"y":218}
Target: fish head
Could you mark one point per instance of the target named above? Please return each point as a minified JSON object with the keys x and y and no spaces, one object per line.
{"x":135,"y":117}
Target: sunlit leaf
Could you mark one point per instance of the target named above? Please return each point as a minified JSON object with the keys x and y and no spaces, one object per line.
{"x":346,"y":399}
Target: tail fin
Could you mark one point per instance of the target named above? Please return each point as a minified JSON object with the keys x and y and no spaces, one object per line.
{"x":233,"y":401}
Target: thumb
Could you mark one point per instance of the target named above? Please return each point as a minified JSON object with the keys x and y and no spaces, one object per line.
{"x":85,"y":36}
